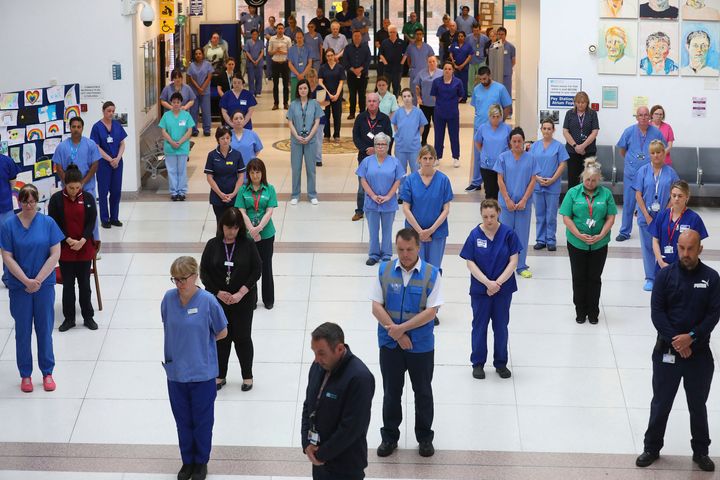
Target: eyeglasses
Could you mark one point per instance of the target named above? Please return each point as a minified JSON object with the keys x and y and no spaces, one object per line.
{"x":29,"y":203}
{"x":180,"y":281}
{"x":381,"y":144}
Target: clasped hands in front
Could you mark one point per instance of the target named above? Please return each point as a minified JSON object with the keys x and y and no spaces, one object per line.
{"x":512,"y":206}
{"x":397,"y":333}
{"x":681,"y":343}
{"x":229,"y":298}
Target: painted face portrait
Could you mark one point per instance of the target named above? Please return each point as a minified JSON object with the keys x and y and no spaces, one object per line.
{"x":618,"y":49}
{"x":698,"y":49}
{"x":615,"y":45}
{"x":658,"y":60}
{"x":618,"y":8}
{"x":658,"y":51}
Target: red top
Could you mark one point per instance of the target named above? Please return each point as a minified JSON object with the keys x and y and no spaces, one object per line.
{"x":74,"y":226}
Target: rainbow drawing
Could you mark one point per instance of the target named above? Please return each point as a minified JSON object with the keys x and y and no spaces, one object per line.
{"x":34,"y":134}
{"x":53,"y":129}
{"x":72,"y":111}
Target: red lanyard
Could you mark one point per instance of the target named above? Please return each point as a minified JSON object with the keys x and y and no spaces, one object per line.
{"x":589,"y":201}
{"x":256,"y":199}
{"x":372,"y":125}
{"x":673,"y":228}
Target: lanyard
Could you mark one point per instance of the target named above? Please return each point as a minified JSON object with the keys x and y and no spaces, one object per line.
{"x":581,"y":121}
{"x":673,"y":228}
{"x":643,"y":139}
{"x":657,"y":182}
{"x":317,"y":399}
{"x":73,"y":151}
{"x":372,"y":125}
{"x":256,"y":199}
{"x":228,"y":258}
{"x":589,"y":201}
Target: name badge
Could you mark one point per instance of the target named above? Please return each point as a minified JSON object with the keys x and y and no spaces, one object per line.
{"x":229,"y":264}
{"x":192,"y":311}
{"x":313,"y":437}
{"x":655,"y":207}
{"x":477,"y":54}
{"x":481,"y":243}
{"x":505,"y":52}
{"x":668,"y":358}
{"x":371,"y":135}
{"x":590,"y":222}
{"x":300,"y":64}
{"x":228,"y":163}
{"x":109,"y":139}
{"x":641,"y":156}
{"x":182,"y":123}
{"x":668,"y":250}
{"x":683,"y":228}
{"x":243,"y":102}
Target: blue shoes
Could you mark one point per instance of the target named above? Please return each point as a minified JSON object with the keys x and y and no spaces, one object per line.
{"x":648,"y":286}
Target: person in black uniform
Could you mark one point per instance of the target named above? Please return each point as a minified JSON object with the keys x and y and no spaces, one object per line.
{"x":336,"y":411}
{"x":685,"y":308}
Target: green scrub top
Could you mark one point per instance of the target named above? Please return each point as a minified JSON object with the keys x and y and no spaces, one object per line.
{"x":246,"y":198}
{"x":176,"y":127}
{"x":576,"y":206}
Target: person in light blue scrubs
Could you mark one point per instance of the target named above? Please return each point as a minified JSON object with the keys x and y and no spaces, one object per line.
{"x":491,"y":139}
{"x":380,"y":176}
{"x":193,"y":322}
{"x":299,"y":61}
{"x":408,"y":123}
{"x":30,"y":243}
{"x":652,"y":192}
{"x":426,"y":195}
{"x":200,"y":73}
{"x":254,"y":63}
{"x":8,"y":174}
{"x":423,"y":84}
{"x":303,"y":118}
{"x":417,"y":53}
{"x":551,"y":157}
{"x":633,"y":146}
{"x":176,"y":126}
{"x":517,"y":170}
{"x":177,"y":86}
{"x":245,"y":141}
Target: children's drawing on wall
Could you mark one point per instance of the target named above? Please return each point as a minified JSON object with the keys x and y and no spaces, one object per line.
{"x":617,"y":48}
{"x":700,"y":9}
{"x":661,"y":48}
{"x":667,"y":9}
{"x":700,"y":52}
{"x":29,"y":154}
{"x":618,"y":9}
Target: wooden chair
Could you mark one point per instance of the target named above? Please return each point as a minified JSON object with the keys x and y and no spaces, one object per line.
{"x":93,"y":272}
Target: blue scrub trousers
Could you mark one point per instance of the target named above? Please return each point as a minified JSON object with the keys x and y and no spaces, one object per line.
{"x":177,"y":173}
{"x":28,"y":309}
{"x":109,"y":181}
{"x":319,"y":142}
{"x":463,"y":76}
{"x":193,"y":406}
{"x":408,"y":158}
{"x":432,"y":252}
{"x":646,"y":243}
{"x":255,"y":78}
{"x":380,"y":250}
{"x":453,"y":126}
{"x":202,"y":102}
{"x":546,"y":210}
{"x":476,"y":175}
{"x":519,"y":221}
{"x":298,"y":152}
{"x":629,"y":202}
{"x":497,"y":309}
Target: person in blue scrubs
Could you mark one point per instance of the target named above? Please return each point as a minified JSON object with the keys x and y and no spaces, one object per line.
{"x":303,"y":118}
{"x":255,"y":63}
{"x":551,"y":157}
{"x":245,"y":141}
{"x":225,"y":172}
{"x":380,"y":176}
{"x":667,"y":226}
{"x":461,"y":53}
{"x":491,"y":139}
{"x":408,"y":123}
{"x":177,"y":86}
{"x":30,"y":243}
{"x":84,"y":153}
{"x":193,"y":322}
{"x":315,"y":88}
{"x":633,"y":146}
{"x":270,"y":31}
{"x":238,"y":98}
{"x":299,"y":61}
{"x":426,"y":195}
{"x":417,"y":54}
{"x":448,"y":92}
{"x":8,"y":174}
{"x":423,"y":84}
{"x":200,"y":74}
{"x":652,"y":192}
{"x":109,"y":135}
{"x":517,"y":171}
{"x":491,"y":253}
{"x":176,"y":126}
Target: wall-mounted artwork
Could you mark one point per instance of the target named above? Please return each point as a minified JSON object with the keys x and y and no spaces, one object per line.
{"x":700,"y":9}
{"x":665,"y":9}
{"x":700,"y":52}
{"x":618,"y":9}
{"x":659,"y":48}
{"x":617,"y":47}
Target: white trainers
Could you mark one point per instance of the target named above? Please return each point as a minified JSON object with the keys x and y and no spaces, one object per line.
{"x":293,"y":201}
{"x":456,"y":163}
{"x":314,"y":201}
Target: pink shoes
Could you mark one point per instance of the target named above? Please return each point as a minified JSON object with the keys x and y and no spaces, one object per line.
{"x":26,"y":385}
{"x":48,"y":383}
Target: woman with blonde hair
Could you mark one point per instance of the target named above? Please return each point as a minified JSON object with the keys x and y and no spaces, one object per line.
{"x":580,"y":129}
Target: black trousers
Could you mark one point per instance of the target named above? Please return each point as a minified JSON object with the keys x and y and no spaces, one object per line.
{"x":281,"y":70}
{"x":490,"y":182}
{"x":265,"y":249}
{"x":323,"y":473}
{"x":219,"y":210}
{"x":696,"y":373}
{"x":575,"y":167}
{"x":336,"y":109}
{"x":587,"y":267}
{"x":394,"y":77}
{"x":70,"y":272}
{"x":358,"y":88}
{"x":239,"y":317}
{"x":360,"y":198}
{"x":380,"y":69}
{"x":394,"y":362}
{"x":428,"y":112}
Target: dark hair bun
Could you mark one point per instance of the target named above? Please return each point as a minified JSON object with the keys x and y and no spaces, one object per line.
{"x":72,"y":167}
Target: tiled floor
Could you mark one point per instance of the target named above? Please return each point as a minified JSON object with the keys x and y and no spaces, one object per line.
{"x":575,"y":388}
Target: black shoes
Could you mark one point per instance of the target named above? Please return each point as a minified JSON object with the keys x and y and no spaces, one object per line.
{"x":478,"y":372}
{"x":621,"y":238}
{"x":703,"y":461}
{"x":66,"y":325}
{"x":647,"y":458}
{"x":206,"y":134}
{"x":199,"y":472}
{"x":539,"y":246}
{"x":220,"y":384}
{"x":318,"y":164}
{"x":386,"y":448}
{"x":185,"y":472}
{"x":436,"y":322}
{"x":90,"y":324}
{"x":580,"y":320}
{"x":181,"y":198}
{"x":174,"y":198}
{"x":246,"y":387}
{"x":116,"y":223}
{"x":593,"y":320}
{"x":371,"y":261}
{"x":472,"y":188}
{"x":268,"y":306}
{"x":504,"y":372}
{"x":426,"y":449}
{"x":551,"y":248}
{"x":105,"y":224}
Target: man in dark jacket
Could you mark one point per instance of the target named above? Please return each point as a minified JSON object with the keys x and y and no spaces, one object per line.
{"x":336,"y":411}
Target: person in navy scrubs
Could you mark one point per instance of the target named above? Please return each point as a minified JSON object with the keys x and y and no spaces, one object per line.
{"x":667,"y":226}
{"x":193,"y":322}
{"x":30,"y":244}
{"x":491,"y":253}
{"x":225,"y":171}
{"x":109,"y":135}
{"x":238,"y":98}
{"x":448,"y":91}
{"x":8,"y":174}
{"x":461,"y":53}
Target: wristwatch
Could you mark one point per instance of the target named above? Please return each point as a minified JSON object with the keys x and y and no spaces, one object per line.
{"x":692,"y":335}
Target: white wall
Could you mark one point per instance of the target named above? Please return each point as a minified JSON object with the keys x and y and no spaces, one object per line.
{"x":525,"y":77}
{"x":567,"y":29}
{"x":79,"y":46}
